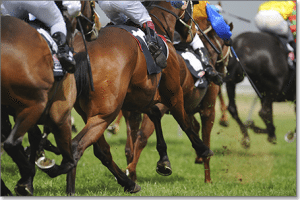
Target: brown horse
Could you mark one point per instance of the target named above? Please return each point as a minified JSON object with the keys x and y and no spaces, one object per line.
{"x":121,"y":81}
{"x":195,"y":101}
{"x":32,"y":96}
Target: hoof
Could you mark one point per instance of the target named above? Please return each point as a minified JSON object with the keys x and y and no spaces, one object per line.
{"x":136,"y":189}
{"x":272,"y":140}
{"x":44,"y":163}
{"x":290,"y":137}
{"x":246,"y":143}
{"x":198,"y":160}
{"x":207,"y":153}
{"x":23,"y":190}
{"x":113,"y":129}
{"x":164,"y":168}
{"x":224,"y":123}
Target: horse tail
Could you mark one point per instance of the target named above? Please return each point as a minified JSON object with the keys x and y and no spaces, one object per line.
{"x":81,"y":75}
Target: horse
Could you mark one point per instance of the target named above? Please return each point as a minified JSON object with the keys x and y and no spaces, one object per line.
{"x":33,"y":97}
{"x":264,"y":59}
{"x":121,"y":81}
{"x":196,"y":100}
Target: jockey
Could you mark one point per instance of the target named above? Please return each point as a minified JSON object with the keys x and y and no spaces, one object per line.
{"x":48,"y":13}
{"x":120,"y":11}
{"x":203,"y":9}
{"x":273,"y":17}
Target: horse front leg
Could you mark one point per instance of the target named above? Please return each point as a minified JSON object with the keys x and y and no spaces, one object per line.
{"x":207,"y":114}
{"x":266,"y":114}
{"x":230,"y":86}
{"x":224,"y":118}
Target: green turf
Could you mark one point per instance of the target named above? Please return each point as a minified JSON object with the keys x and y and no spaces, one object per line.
{"x":263,"y":170}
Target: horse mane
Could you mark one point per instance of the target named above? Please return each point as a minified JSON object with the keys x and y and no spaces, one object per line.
{"x":81,"y":76}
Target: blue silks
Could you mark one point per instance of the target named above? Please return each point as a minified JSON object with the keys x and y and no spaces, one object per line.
{"x":177,"y":4}
{"x":219,"y":25}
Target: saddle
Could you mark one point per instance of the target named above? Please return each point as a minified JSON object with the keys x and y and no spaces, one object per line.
{"x":141,"y":39}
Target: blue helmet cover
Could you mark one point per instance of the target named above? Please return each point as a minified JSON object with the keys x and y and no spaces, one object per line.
{"x":218,"y":23}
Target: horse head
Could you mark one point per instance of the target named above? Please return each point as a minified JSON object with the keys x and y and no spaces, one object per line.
{"x":88,"y":21}
{"x":165,"y":18}
{"x":219,"y":61}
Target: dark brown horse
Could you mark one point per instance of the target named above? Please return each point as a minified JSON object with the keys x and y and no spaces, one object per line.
{"x":30,"y":94}
{"x":265,"y":61}
{"x":195,"y":101}
{"x":121,"y":81}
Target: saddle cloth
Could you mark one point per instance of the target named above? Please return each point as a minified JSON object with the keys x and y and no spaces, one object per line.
{"x":192,"y":60}
{"x":193,"y":63}
{"x":139,"y":35}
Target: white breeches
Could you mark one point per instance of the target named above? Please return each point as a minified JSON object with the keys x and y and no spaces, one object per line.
{"x":120,"y":11}
{"x":272,"y":21}
{"x":45,"y":11}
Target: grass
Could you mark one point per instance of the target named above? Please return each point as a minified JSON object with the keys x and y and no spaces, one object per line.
{"x":262,"y":170}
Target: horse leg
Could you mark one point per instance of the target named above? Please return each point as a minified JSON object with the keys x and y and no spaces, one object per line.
{"x":13,"y":146}
{"x":207,"y":115}
{"x":114,"y":128}
{"x":62,"y":132}
{"x":133,"y":120}
{"x":102,"y":152}
{"x":146,"y":130}
{"x":4,"y":189}
{"x":266,"y":113}
{"x":224,"y":118}
{"x":234,"y":113}
{"x":90,"y":134}
{"x":163,"y":165}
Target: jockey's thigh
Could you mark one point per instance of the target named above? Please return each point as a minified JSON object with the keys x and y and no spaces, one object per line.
{"x":112,"y":13}
{"x":45,"y":11}
{"x":134,"y":10}
{"x":271,"y":21}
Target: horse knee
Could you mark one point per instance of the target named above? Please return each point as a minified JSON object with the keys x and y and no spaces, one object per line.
{"x":141,"y":140}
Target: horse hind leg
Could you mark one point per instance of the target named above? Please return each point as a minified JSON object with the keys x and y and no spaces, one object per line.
{"x":24,"y":120}
{"x":163,"y":165}
{"x":102,"y":152}
{"x":133,"y":120}
{"x":146,"y":130}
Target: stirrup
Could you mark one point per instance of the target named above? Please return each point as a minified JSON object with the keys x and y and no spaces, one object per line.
{"x":58,"y":71}
{"x":67,"y":62}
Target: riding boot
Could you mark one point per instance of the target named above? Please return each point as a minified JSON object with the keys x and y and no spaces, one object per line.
{"x":210,"y":73}
{"x":154,"y":48}
{"x":64,"y":54}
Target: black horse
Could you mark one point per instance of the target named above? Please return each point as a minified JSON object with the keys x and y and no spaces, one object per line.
{"x":264,"y":59}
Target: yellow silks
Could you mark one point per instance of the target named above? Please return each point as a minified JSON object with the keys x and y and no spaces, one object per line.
{"x":285,"y":8}
{"x":200,"y":10}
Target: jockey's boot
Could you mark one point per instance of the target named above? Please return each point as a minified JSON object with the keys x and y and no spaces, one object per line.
{"x":210,"y":73}
{"x":64,"y":54}
{"x":152,"y":41}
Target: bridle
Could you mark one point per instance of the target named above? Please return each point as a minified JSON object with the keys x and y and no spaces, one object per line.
{"x":224,"y":58}
{"x":94,"y":13}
